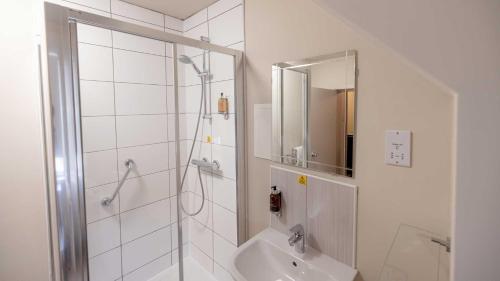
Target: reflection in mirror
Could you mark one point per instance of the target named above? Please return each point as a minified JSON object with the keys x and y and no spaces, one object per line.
{"x":314,"y":113}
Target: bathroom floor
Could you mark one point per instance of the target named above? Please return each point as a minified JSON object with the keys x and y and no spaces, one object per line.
{"x":192,"y":272}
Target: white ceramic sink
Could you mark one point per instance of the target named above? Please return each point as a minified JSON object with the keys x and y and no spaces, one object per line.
{"x":268,"y":257}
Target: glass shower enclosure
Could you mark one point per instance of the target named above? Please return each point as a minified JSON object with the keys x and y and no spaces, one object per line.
{"x":146,"y":172}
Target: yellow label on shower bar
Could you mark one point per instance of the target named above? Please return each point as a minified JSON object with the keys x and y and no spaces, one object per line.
{"x":209,"y":139}
{"x":302,"y":180}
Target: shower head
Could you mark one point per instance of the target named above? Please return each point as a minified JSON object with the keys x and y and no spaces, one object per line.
{"x":187,"y":60}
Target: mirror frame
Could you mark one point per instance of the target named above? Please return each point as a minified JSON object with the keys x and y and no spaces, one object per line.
{"x":277,"y":113}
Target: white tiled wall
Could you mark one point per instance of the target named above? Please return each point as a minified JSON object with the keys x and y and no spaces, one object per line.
{"x":213,"y":233}
{"x":125,"y":82}
{"x":127,"y":106}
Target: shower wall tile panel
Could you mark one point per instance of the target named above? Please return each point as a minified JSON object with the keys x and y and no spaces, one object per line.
{"x":327,"y":210}
{"x":225,"y":29}
{"x":140,"y":99}
{"x":149,"y":159}
{"x":134,"y":67}
{"x":95,"y":62}
{"x":97,"y":98}
{"x":133,"y":130}
{"x":100,"y":168}
{"x":98,"y":133}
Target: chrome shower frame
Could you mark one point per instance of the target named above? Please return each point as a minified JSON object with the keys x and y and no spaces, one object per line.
{"x":64,"y":141}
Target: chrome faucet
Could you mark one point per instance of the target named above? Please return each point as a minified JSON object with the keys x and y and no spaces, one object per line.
{"x":297,"y":238}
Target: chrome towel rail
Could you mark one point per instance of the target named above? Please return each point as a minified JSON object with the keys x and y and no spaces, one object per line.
{"x":130,"y":165}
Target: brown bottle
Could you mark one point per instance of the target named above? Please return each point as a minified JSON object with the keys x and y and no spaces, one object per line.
{"x":275,"y":201}
{"x":223,"y":104}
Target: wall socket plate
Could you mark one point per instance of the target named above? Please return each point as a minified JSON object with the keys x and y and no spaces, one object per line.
{"x":398,"y":148}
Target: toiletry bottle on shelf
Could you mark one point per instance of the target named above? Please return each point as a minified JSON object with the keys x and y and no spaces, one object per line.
{"x":223,"y":106}
{"x":275,"y":201}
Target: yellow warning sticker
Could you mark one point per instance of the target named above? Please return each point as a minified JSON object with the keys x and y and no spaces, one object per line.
{"x":209,"y":139}
{"x":302,"y":180}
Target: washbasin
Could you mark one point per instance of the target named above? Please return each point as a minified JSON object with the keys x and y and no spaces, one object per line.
{"x":268,"y":257}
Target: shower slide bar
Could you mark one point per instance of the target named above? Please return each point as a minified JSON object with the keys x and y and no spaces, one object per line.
{"x":130,"y":165}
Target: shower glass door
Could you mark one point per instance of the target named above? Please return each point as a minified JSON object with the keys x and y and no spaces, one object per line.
{"x":127,"y":116}
{"x":135,"y":122}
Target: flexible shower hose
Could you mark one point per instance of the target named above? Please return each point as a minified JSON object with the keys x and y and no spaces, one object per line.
{"x":189,"y":160}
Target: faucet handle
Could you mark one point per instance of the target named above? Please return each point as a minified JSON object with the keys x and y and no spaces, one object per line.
{"x":298,"y":228}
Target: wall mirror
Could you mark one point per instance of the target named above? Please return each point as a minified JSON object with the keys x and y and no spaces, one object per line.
{"x":314,"y":111}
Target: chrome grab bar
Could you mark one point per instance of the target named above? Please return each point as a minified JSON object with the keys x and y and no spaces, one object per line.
{"x":130,"y":165}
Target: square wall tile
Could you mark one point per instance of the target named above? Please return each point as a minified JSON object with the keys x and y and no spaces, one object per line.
{"x":189,"y":99}
{"x":222,"y":6}
{"x":146,"y":249}
{"x":221,"y":67}
{"x":93,"y":202}
{"x":140,"y":99}
{"x":149,"y":270}
{"x":93,"y":35}
{"x":136,"y":43}
{"x":196,"y":19}
{"x":173,"y":23}
{"x":226,"y":88}
{"x":147,"y":158}
{"x":226,"y":156}
{"x":106,"y":266}
{"x":224,"y":192}
{"x":192,"y":183}
{"x":95,"y":62}
{"x":203,"y":259}
{"x":99,"y":168}
{"x":227,"y":28}
{"x":98,"y":133}
{"x":97,"y":98}
{"x":103,"y":236}
{"x":331,"y":219}
{"x":202,"y":237}
{"x":132,"y":67}
{"x":225,"y":224}
{"x":223,"y":251}
{"x":293,"y":201}
{"x":143,"y":220}
{"x":141,"y":129}
{"x":224,"y":130}
{"x":135,"y":12}
{"x":205,"y":217}
{"x":143,"y":190}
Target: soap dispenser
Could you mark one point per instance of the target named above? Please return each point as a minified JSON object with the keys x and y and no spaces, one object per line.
{"x":275,"y":201}
{"x":223,"y":106}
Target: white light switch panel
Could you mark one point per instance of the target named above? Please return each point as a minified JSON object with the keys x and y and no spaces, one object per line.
{"x":398,"y":148}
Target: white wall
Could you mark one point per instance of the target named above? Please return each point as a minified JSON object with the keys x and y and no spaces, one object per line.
{"x":391,"y":94}
{"x":24,"y":243}
{"x":456,"y":43}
